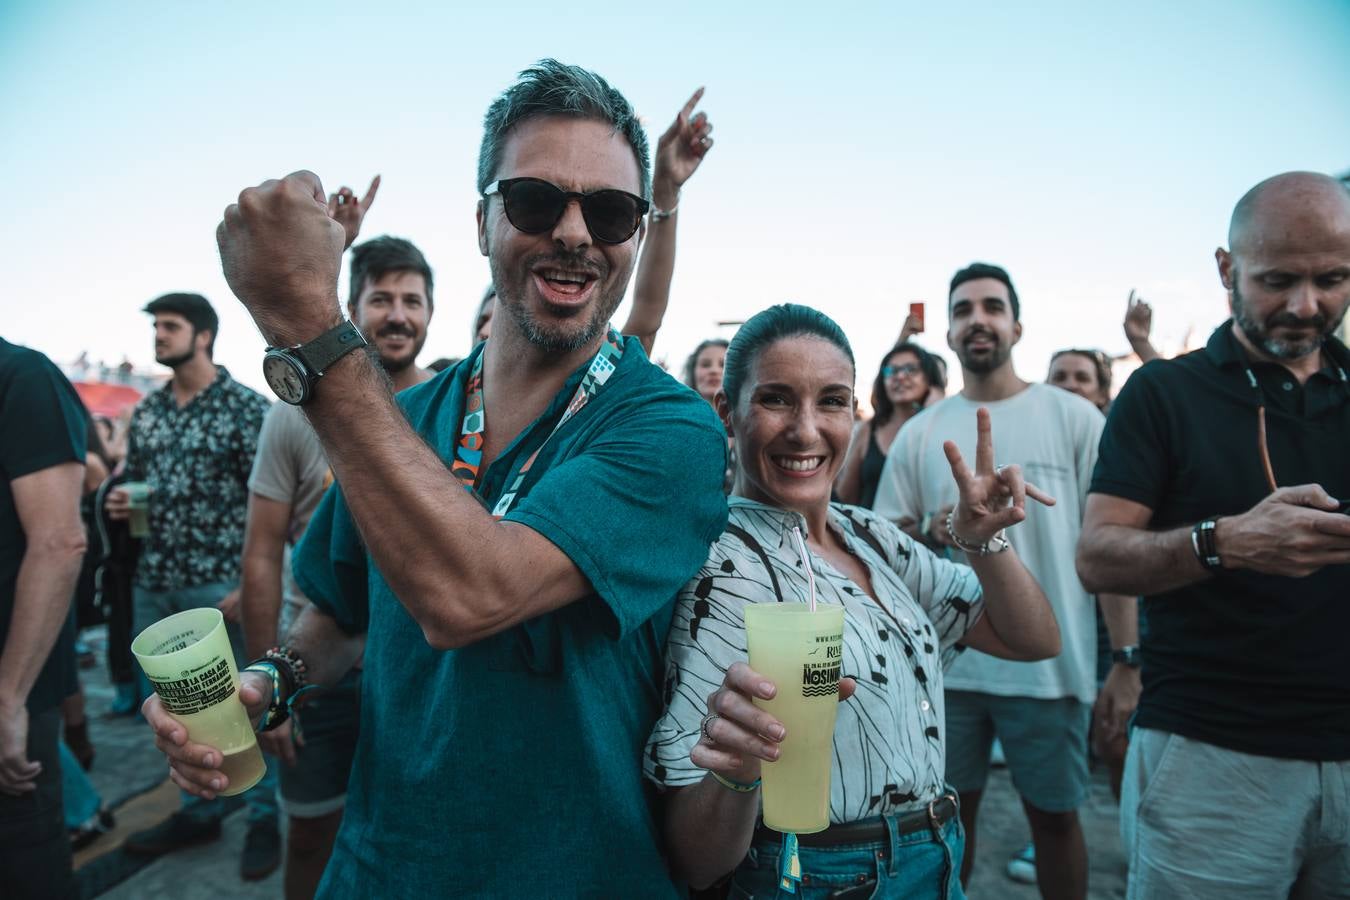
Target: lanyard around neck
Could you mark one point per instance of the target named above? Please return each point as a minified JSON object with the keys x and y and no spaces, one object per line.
{"x":469,"y":449}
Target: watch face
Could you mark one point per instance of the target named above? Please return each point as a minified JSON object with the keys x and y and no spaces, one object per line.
{"x":284,"y":377}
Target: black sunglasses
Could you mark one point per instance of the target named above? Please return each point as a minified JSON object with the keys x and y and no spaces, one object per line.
{"x":535,"y":206}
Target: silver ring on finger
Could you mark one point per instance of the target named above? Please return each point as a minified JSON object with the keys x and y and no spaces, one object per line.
{"x":703,"y":726}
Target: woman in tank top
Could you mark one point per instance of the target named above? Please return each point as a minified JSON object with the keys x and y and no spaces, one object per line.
{"x":900,"y":390}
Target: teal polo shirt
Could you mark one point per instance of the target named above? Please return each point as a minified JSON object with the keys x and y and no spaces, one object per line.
{"x":512,"y":767}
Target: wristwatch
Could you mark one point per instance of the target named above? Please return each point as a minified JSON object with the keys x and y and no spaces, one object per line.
{"x":292,"y":371}
{"x":1128,"y":656}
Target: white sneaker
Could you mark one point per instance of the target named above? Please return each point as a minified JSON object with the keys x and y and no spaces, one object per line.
{"x":1022,"y":867}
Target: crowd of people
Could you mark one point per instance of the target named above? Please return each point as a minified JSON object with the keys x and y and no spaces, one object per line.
{"x":489,"y":615}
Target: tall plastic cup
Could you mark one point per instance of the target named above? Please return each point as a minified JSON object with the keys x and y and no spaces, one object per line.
{"x":800,"y":650}
{"x":138,"y":501}
{"x":188,"y":658}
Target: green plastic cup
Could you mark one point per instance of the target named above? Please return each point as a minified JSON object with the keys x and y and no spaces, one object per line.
{"x":138,"y":499}
{"x":800,"y":650}
{"x":188,"y":658}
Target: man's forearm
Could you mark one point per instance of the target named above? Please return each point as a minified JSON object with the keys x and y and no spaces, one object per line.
{"x":1120,"y":559}
{"x":327,"y":651}
{"x":431,"y":540}
{"x":1120,"y":612}
{"x":42,"y":594}
{"x":260,"y":602}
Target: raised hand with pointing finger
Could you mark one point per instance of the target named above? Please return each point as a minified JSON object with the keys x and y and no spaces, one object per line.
{"x":348,"y":210}
{"x":679,"y":152}
{"x":1139,"y":326}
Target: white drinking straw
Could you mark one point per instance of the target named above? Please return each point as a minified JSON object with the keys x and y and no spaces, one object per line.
{"x":806,"y":561}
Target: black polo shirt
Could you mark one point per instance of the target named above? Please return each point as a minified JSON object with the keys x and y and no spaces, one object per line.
{"x":1251,"y":662}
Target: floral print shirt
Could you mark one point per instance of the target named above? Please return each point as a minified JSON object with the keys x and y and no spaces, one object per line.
{"x":197,"y":460}
{"x":889,"y":751}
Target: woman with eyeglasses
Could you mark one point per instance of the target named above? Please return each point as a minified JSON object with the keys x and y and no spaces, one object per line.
{"x":787,"y":396}
{"x":1086,"y":373}
{"x":900,"y":390}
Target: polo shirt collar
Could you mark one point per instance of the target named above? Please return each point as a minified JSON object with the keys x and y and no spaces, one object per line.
{"x":1225,"y":352}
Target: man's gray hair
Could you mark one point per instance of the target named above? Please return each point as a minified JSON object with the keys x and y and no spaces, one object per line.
{"x":550,"y":88}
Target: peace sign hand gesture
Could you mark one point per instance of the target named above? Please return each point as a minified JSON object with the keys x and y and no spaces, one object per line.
{"x":349,"y":210}
{"x":680,"y":151}
{"x":992,"y":499}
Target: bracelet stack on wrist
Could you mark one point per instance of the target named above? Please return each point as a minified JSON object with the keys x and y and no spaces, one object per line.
{"x":1205,"y":545}
{"x":996,"y":544}
{"x":288,"y":674}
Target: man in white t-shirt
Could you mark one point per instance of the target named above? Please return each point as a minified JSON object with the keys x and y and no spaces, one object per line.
{"x":1038,"y":711}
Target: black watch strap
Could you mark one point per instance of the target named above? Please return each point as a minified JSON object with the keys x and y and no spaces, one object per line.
{"x":326,"y":349}
{"x":1126,"y":655}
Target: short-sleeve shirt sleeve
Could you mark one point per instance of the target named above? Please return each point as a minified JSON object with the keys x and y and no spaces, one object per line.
{"x":1134,"y":450}
{"x":632,"y":513}
{"x":948,"y":592}
{"x":274,"y":473}
{"x":44,"y":424}
{"x":330,"y":564}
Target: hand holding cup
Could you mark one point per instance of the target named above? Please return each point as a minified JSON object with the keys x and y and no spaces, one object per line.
{"x":737,"y":735}
{"x":195,"y":767}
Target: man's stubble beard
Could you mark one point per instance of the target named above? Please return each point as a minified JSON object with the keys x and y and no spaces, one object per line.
{"x":173,"y":362}
{"x":547,"y":337}
{"x":994,"y":361}
{"x":1259,"y":334}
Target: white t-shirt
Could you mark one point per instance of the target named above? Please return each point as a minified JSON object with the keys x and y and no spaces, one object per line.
{"x":1053,"y":435}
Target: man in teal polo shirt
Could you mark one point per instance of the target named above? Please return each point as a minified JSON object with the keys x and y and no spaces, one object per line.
{"x":508,"y":537}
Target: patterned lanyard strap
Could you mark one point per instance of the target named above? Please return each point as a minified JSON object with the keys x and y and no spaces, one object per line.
{"x":469,"y":450}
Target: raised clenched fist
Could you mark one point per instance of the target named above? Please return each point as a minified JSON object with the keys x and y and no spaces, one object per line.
{"x":281,"y":251}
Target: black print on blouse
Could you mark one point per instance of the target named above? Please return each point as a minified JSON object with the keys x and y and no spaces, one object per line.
{"x":892,"y":736}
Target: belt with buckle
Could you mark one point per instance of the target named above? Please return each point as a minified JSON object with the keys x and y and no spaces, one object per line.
{"x":936,"y":814}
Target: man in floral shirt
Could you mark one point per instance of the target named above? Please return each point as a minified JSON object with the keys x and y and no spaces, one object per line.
{"x":193,"y":442}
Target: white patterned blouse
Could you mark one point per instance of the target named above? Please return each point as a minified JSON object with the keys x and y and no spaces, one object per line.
{"x":889,"y":754}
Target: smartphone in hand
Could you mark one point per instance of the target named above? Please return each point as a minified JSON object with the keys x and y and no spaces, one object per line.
{"x":916,"y":313}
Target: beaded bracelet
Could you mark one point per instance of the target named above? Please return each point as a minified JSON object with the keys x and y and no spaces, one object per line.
{"x":739,"y":787}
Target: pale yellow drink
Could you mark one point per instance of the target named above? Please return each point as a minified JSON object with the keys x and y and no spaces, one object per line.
{"x":188,"y":658}
{"x":800,"y":651}
{"x":138,"y":504}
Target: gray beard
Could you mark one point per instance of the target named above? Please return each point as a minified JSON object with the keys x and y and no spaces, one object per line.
{"x":556,"y":340}
{"x":1260,"y":337}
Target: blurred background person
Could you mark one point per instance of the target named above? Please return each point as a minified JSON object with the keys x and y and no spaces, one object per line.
{"x":902,"y":388}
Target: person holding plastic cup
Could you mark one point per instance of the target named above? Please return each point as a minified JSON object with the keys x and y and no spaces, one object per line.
{"x":787,"y":397}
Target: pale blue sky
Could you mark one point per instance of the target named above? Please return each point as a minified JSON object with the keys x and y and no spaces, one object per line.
{"x":864,"y":151}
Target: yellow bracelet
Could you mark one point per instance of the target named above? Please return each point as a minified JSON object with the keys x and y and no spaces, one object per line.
{"x":737,"y":786}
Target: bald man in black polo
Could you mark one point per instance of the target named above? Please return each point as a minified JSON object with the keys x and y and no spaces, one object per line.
{"x":1217,"y":496}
